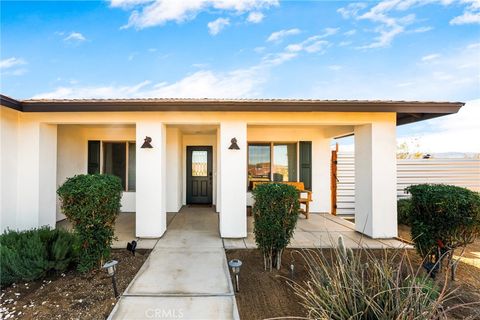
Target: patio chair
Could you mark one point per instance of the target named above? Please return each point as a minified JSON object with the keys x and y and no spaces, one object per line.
{"x":305,"y":196}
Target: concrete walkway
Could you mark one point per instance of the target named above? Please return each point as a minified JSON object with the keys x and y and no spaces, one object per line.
{"x":186,"y":275}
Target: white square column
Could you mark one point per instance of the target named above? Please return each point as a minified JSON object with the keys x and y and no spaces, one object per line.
{"x":376,"y":179}
{"x":151,"y":216}
{"x":36,"y":176}
{"x":233,"y":180}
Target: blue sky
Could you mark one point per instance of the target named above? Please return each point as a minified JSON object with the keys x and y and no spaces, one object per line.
{"x":408,"y":50}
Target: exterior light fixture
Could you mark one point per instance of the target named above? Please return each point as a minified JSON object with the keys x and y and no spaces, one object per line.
{"x":235,"y":265}
{"x":111,"y":268}
{"x":132,"y":246}
{"x":146,"y":143}
{"x":234,"y":145}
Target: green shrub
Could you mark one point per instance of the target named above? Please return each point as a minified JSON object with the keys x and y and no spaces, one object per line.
{"x":92,"y":203}
{"x":347,"y":284}
{"x":275,"y":215}
{"x":33,"y":254}
{"x":403,"y":211}
{"x":443,"y":216}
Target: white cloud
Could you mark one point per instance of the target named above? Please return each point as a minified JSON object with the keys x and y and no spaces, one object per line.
{"x":75,"y":37}
{"x":152,"y":13}
{"x":255,"y":17}
{"x":466,"y":18}
{"x":13,"y":66}
{"x":431,"y":57}
{"x":278,"y":36}
{"x":350,"y":32}
{"x":275,"y":59}
{"x":471,"y":14}
{"x":214,"y":27}
{"x":422,"y":29}
{"x":100,"y":92}
{"x":11,"y":62}
{"x":314,"y":43}
{"x":238,"y":83}
{"x":388,"y":27}
{"x":351,"y":10}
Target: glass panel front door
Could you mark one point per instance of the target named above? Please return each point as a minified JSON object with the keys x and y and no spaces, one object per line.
{"x":199,"y":175}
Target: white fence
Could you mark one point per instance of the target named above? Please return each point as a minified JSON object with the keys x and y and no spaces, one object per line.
{"x":459,"y":172}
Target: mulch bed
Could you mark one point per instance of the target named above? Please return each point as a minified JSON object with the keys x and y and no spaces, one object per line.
{"x":265,"y":295}
{"x":71,"y":295}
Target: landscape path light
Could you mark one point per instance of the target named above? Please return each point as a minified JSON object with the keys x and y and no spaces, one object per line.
{"x":111,"y":268}
{"x":235,"y":265}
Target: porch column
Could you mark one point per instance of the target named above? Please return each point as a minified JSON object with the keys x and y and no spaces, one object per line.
{"x":233,"y":180}
{"x":375,"y":179}
{"x":37,"y":175}
{"x":150,"y":217}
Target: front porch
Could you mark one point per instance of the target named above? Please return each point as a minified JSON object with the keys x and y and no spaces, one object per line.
{"x":158,"y":180}
{"x":321,"y":230}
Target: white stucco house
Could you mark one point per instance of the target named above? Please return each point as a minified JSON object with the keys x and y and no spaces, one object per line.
{"x":189,"y":159}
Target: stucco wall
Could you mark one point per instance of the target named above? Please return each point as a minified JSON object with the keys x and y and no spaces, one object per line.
{"x":8,"y":165}
{"x":174,"y":172}
{"x":72,"y":153}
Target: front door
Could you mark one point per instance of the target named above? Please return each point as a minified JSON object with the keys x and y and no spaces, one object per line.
{"x":199,"y":175}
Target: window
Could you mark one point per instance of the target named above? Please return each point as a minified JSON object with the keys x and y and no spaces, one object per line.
{"x":284,"y":162}
{"x":199,"y":163}
{"x":117,"y":158}
{"x":260,"y":165}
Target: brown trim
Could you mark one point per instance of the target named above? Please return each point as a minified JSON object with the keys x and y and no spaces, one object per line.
{"x":407,"y":111}
{"x":240,"y":106}
{"x":10,"y":103}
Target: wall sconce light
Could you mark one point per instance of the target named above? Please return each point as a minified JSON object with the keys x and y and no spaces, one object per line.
{"x":146,"y":143}
{"x":234,"y":145}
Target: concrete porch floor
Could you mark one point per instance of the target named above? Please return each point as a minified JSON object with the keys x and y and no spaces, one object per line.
{"x":124,"y":231}
{"x":321,"y":230}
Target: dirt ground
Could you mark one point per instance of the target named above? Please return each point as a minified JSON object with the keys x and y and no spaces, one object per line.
{"x":265,"y":295}
{"x":70,"y":295}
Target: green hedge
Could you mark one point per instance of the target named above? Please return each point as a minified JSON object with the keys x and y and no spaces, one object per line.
{"x":33,"y":254}
{"x":275,"y":215}
{"x":404,"y":208}
{"x":445,"y":215}
{"x":92,"y":203}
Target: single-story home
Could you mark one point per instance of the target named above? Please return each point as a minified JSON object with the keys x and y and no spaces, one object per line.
{"x":174,"y":152}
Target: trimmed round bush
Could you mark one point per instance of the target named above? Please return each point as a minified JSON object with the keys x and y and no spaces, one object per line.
{"x":33,"y":254}
{"x":443,"y":216}
{"x":92,"y":204}
{"x":404,"y":206}
{"x":275,"y":215}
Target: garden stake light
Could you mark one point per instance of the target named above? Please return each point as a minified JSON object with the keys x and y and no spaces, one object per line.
{"x":111,"y":267}
{"x":235,"y":265}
